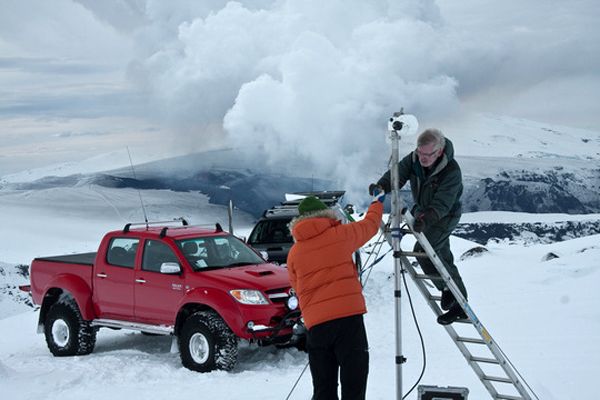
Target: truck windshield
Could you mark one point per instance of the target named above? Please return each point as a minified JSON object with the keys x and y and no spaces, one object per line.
{"x":217,"y":252}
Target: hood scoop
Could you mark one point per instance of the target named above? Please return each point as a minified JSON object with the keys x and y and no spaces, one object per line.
{"x":260,"y":273}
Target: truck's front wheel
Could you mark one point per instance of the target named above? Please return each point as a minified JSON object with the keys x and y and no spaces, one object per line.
{"x":206,"y":343}
{"x":67,"y":333}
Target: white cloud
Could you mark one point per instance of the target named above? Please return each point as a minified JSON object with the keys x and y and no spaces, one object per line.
{"x":315,"y":79}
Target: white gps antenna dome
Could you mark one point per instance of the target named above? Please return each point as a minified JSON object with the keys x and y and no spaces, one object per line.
{"x":403,"y":124}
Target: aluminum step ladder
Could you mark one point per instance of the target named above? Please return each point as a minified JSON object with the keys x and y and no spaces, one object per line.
{"x":482,"y":353}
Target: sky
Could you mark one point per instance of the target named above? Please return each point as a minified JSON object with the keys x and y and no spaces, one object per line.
{"x":310,"y":80}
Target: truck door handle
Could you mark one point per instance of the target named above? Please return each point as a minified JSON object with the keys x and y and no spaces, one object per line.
{"x":101,"y":275}
{"x":140,"y":280}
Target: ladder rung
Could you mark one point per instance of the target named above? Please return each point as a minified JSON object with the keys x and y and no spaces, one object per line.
{"x":507,"y":397}
{"x":485,"y":360}
{"x":429,"y":277}
{"x":497,"y":379}
{"x":470,"y":340}
{"x":414,"y":254}
{"x":463,"y":321}
{"x":434,"y":297}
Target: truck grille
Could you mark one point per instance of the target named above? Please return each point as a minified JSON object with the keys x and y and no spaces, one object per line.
{"x":279,"y":295}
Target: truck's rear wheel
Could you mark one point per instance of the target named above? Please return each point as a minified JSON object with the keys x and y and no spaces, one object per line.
{"x":206,"y":343}
{"x":67,"y":334}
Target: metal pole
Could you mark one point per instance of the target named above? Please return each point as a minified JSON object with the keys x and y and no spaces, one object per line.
{"x":399,"y":124}
{"x":230,"y":216}
{"x":395,"y":228}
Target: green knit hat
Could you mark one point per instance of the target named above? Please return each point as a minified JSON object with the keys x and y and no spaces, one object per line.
{"x":311,"y":204}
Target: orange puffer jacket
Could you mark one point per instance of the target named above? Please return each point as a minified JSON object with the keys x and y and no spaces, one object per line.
{"x":320,"y":264}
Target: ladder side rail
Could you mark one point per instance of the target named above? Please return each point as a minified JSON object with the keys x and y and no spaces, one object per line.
{"x":483,"y":332}
{"x":437,"y":262}
{"x":449,"y":329}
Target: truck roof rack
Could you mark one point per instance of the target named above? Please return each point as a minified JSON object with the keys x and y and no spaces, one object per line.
{"x":218,"y":228}
{"x":181,"y":220}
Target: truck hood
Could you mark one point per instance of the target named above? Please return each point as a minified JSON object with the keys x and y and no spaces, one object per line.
{"x":262,"y":277}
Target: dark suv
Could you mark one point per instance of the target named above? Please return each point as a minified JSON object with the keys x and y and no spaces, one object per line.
{"x":271,"y":233}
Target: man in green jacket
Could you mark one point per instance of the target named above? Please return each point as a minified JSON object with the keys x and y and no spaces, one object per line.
{"x":436,"y":186}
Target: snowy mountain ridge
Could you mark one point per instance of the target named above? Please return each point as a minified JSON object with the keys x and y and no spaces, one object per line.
{"x":508,"y":164}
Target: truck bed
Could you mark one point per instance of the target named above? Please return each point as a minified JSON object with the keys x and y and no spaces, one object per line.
{"x":82,"y":258}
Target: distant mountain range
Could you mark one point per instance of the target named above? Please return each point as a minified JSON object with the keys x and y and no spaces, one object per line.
{"x":508,"y":164}
{"x":525,"y":186}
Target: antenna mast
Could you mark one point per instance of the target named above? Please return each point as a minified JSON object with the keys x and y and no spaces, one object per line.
{"x":138,"y":189}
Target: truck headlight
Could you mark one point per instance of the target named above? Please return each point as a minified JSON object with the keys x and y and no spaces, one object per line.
{"x":246,"y":296}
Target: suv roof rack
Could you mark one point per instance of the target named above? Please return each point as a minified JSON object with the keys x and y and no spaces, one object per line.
{"x":181,"y":220}
{"x":329,"y":197}
{"x":290,"y":207}
{"x":281,"y":211}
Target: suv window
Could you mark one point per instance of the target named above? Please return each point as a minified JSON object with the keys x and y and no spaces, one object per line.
{"x":121,"y":252}
{"x":271,"y":231}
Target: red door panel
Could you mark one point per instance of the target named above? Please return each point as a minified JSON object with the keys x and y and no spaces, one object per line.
{"x":157,"y":295}
{"x":113,"y":280}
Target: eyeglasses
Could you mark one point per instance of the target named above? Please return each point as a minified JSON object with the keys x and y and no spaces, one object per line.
{"x":421,"y":154}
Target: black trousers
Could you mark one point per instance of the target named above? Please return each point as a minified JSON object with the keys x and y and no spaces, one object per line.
{"x":439,"y":238}
{"x":340,"y":346}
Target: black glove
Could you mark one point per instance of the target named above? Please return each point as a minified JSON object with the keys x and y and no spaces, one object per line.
{"x":425,"y":219}
{"x":374,"y":188}
{"x":378,"y":195}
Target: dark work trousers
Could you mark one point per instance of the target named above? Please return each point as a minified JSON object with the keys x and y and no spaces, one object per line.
{"x":340,"y":346}
{"x":439,"y":238}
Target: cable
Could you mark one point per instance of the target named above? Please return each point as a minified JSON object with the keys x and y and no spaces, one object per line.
{"x":378,"y":245}
{"x":423,"y":350}
{"x":377,"y":250}
{"x":369,"y":268}
{"x":517,"y":371}
{"x":296,"y":383}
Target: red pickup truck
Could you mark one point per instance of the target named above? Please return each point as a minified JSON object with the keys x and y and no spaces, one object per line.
{"x":203,"y":286}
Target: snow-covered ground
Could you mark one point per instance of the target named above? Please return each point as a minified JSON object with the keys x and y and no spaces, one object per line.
{"x":543,"y":314}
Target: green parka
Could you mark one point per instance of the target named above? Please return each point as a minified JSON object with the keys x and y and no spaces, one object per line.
{"x":438,"y":188}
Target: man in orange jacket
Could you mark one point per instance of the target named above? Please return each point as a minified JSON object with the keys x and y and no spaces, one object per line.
{"x":326,"y":281}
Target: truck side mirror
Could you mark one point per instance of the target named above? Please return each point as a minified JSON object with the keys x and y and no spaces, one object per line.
{"x":170,"y":268}
{"x":264,"y":255}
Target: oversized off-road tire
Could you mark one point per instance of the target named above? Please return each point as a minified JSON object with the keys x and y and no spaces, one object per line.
{"x":206,"y":343}
{"x":67,"y":333}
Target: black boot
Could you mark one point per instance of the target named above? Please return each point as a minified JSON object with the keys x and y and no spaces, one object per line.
{"x":448,"y":300}
{"x":455,"y":313}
